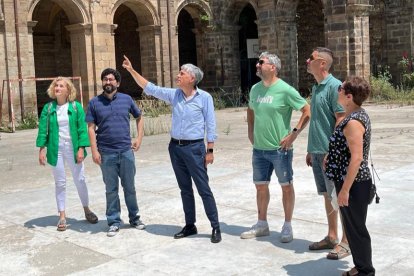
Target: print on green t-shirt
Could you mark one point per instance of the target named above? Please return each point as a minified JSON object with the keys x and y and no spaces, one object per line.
{"x":273,"y":107}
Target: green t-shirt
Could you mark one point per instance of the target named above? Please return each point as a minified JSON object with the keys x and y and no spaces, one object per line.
{"x":273,"y":108}
{"x":324,"y":105}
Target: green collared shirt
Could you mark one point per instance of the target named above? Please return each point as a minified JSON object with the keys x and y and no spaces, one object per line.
{"x":324,"y":105}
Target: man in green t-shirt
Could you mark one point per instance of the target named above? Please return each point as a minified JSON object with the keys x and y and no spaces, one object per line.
{"x":326,"y":113}
{"x":271,"y":104}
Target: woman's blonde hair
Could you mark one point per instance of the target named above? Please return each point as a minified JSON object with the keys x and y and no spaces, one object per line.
{"x":69,"y":85}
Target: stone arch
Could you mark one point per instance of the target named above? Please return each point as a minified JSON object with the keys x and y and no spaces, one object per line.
{"x":286,"y":8}
{"x":236,"y":7}
{"x":248,"y":46}
{"x":144,"y":11}
{"x":55,"y":48}
{"x":194,"y":8}
{"x":75,"y":10}
{"x":139,"y":37}
{"x":378,"y":37}
{"x":231,"y":50}
{"x":192,"y":18}
{"x":310,"y":34}
{"x":291,"y":47}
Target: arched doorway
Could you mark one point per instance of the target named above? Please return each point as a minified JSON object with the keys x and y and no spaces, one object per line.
{"x":127,"y":42}
{"x":51,"y":46}
{"x":311,"y":34}
{"x":248,"y":47}
{"x":186,"y":38}
{"x":378,"y":37}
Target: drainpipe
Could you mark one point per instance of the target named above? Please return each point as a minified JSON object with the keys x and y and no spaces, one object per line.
{"x":95,"y":86}
{"x":161,"y":51}
{"x":19,"y":58}
{"x":6,"y":62}
{"x":169,"y":44}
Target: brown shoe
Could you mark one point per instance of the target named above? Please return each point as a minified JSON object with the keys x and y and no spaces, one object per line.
{"x":351,"y":272}
{"x":91,"y":217}
{"x":326,"y":243}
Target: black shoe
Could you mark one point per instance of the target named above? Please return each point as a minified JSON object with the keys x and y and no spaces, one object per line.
{"x":188,"y":230}
{"x":215,"y":235}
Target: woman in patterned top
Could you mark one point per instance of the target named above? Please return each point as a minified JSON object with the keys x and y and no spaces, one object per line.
{"x":347,"y":166}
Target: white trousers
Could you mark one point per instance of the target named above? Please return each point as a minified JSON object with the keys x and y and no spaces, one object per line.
{"x":65,"y":155}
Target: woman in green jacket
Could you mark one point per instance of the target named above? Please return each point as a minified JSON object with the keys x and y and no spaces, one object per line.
{"x":62,"y":138}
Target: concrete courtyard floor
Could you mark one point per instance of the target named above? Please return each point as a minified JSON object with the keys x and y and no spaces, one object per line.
{"x":30,"y":244}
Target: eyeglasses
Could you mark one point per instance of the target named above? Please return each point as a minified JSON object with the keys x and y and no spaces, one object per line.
{"x":340,"y":88}
{"x":261,"y":62}
{"x":311,"y":58}
{"x":108,"y":79}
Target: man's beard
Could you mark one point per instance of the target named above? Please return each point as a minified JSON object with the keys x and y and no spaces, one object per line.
{"x":109,"y":88}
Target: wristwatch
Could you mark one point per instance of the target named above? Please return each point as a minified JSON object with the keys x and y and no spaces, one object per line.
{"x":210,"y":150}
{"x":295,"y":130}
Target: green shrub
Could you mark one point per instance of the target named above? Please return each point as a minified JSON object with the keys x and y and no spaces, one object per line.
{"x":29,"y":122}
{"x":223,"y":98}
{"x":382,"y":91}
{"x":153,"y":107}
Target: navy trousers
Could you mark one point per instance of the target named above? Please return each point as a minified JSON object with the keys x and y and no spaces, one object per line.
{"x":188,"y":164}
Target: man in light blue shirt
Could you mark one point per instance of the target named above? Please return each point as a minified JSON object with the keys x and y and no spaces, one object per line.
{"x":192,"y":119}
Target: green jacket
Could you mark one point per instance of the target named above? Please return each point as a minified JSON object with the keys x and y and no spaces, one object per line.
{"x":50,"y":138}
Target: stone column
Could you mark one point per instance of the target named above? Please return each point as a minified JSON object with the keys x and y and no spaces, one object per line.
{"x":359,"y":49}
{"x":287,"y":50}
{"x":30,"y":87}
{"x":337,"y":39}
{"x":151,"y":62}
{"x":199,"y":37}
{"x":209,"y":53}
{"x":82,"y":60}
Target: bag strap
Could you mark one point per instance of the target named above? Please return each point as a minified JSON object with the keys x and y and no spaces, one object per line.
{"x":48,"y":117}
{"x":74,"y":107}
{"x":374,"y":173}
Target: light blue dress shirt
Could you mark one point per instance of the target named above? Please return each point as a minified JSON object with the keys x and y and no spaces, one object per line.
{"x":191,"y":119}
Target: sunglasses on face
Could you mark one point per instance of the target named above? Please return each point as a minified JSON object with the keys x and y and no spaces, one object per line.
{"x":261,"y":62}
{"x":311,"y":58}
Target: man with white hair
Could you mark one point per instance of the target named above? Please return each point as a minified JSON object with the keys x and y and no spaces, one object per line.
{"x":271,"y":104}
{"x":192,"y":119}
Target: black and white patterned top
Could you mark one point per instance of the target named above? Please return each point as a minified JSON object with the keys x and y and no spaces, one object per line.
{"x":339,"y":154}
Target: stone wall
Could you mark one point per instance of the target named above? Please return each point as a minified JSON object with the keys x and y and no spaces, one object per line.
{"x":84,"y":39}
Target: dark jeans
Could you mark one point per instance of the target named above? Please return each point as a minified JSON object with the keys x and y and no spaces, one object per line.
{"x":354,"y":218}
{"x":117,"y":166}
{"x":188,"y":164}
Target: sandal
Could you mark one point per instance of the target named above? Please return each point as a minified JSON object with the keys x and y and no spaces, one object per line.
{"x":61,"y":226}
{"x":341,"y":250}
{"x":326,"y":243}
{"x":351,"y":272}
{"x":91,"y":217}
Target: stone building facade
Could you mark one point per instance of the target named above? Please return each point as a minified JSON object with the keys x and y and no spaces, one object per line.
{"x":42,"y":39}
